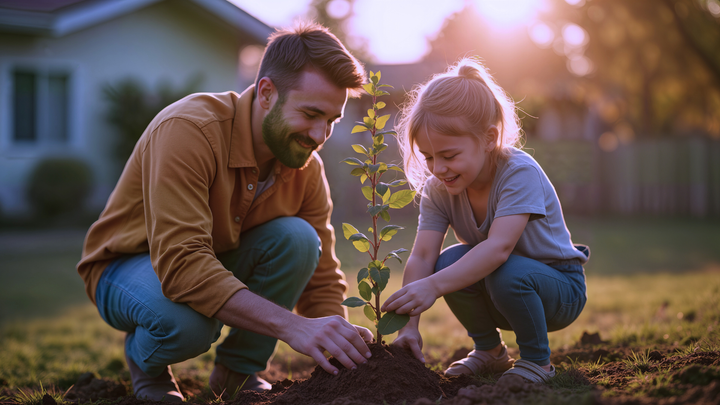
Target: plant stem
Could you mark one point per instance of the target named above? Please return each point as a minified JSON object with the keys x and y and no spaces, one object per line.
{"x":376,"y":245}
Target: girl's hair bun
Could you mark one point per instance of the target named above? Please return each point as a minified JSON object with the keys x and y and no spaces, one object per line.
{"x":469,"y":72}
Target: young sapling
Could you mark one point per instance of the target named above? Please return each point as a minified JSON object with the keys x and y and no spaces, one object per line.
{"x":373,"y":279}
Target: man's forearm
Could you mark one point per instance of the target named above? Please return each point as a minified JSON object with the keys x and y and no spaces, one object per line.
{"x":247,"y":310}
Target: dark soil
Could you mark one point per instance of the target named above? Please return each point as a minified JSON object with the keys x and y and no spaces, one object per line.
{"x":591,"y":372}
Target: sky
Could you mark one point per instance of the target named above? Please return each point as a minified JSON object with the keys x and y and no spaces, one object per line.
{"x":398,"y":31}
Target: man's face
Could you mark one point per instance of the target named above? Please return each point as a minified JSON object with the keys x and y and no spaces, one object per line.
{"x":303,"y":119}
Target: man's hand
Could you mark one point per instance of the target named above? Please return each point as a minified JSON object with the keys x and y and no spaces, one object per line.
{"x":409,"y":338}
{"x":413,"y":299}
{"x":344,"y":341}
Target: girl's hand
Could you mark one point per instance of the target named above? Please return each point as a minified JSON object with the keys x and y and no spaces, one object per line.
{"x":409,"y":338}
{"x":413,"y":299}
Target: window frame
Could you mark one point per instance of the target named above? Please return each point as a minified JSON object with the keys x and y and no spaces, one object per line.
{"x":43,"y":144}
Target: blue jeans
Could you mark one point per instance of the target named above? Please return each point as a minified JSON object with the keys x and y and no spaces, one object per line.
{"x":275,"y":260}
{"x":522,"y":295}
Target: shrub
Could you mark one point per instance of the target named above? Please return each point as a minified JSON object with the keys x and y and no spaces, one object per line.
{"x":58,"y":186}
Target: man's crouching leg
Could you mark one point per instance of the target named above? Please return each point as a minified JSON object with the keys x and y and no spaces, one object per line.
{"x":159,"y":331}
{"x":275,"y":260}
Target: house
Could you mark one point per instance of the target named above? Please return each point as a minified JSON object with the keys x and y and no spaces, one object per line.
{"x":57,"y":55}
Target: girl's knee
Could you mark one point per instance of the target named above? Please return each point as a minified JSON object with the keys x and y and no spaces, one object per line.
{"x":450,"y":255}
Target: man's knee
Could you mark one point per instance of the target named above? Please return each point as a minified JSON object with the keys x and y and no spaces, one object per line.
{"x":189,"y":332}
{"x":297,"y":238}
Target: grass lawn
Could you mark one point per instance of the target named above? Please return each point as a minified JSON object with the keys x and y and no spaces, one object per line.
{"x":650,"y":283}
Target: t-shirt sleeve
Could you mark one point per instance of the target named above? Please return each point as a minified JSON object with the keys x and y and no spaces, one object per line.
{"x":522,"y":191}
{"x":433,"y":213}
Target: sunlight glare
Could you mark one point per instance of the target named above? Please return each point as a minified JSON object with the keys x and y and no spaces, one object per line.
{"x":574,"y":36}
{"x":338,"y":9}
{"x":508,"y":13}
{"x":398,"y":30}
{"x":542,"y":35}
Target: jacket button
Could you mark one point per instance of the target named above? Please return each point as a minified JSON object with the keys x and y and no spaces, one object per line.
{"x":237,"y":219}
{"x":250,"y":187}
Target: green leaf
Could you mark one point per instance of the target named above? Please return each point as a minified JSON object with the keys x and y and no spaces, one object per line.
{"x":386,"y":85}
{"x":359,"y":128}
{"x":381,"y":147}
{"x":395,"y":254}
{"x":353,"y":302}
{"x":373,"y":169}
{"x":389,"y":231}
{"x":362,"y":274}
{"x":381,"y":93}
{"x":386,"y":196}
{"x":369,"y":313}
{"x":379,"y":105}
{"x":371,"y":113}
{"x":392,"y":322}
{"x":401,"y":198}
{"x":383,"y":167}
{"x":396,"y":168}
{"x":385,"y":215}
{"x":367,"y":192}
{"x":369,"y":122}
{"x":375,"y":276}
{"x":374,"y":79}
{"x":381,"y":188}
{"x":363,"y":177}
{"x":357,"y":236}
{"x":384,"y":277}
{"x":375,"y":209}
{"x":360,"y":149}
{"x":353,"y":161}
{"x":358,"y":171}
{"x":369,"y":88}
{"x":364,"y":289}
{"x":380,"y":121}
{"x":348,"y":230}
{"x":362,"y":245}
{"x":371,"y":230}
{"x":375,"y":264}
{"x":390,"y":132}
{"x":397,"y":183}
{"x":378,"y":140}
{"x":378,"y":75}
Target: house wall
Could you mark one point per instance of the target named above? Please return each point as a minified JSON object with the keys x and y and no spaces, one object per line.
{"x":170,"y":41}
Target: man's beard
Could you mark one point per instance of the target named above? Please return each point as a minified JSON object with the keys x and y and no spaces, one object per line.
{"x":282,"y":143}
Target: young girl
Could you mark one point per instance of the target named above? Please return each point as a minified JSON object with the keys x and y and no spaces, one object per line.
{"x":516,"y":267}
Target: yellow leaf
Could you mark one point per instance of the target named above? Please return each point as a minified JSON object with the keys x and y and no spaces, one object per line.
{"x":380,"y":105}
{"x":369,"y":88}
{"x":380,"y":121}
{"x":371,"y":113}
{"x":359,"y":128}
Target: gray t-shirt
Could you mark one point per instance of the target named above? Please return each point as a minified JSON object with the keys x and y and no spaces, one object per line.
{"x":520,"y":186}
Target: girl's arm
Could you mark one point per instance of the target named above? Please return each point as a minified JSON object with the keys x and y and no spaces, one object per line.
{"x":419,"y":265}
{"x":418,"y":294}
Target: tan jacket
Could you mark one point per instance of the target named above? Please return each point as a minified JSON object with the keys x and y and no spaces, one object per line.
{"x":186,"y":193}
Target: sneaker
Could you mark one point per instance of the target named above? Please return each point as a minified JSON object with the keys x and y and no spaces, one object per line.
{"x":481,"y":362}
{"x":226,"y":383}
{"x":530,"y":371}
{"x":160,"y":388}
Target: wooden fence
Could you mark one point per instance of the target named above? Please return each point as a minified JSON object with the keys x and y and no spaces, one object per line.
{"x":678,"y":177}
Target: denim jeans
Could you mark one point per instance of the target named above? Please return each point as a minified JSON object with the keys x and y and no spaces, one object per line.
{"x":522,"y":295}
{"x":275,"y":260}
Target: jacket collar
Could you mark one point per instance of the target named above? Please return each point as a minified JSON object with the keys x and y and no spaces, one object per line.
{"x":241,"y":145}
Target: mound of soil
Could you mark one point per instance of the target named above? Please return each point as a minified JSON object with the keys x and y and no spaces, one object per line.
{"x":391,"y":376}
{"x":89,"y":388}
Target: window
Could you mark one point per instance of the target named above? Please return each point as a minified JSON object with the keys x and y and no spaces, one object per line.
{"x":40,"y":107}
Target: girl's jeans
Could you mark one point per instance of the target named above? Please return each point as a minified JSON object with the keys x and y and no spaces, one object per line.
{"x":522,"y":295}
{"x":275,"y":260}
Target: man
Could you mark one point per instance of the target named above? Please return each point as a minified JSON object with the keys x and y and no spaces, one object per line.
{"x":222,"y":217}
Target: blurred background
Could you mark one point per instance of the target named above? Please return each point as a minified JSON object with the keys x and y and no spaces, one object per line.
{"x":620,"y":102}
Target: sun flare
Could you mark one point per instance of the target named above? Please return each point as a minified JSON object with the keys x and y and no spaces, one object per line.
{"x":507,"y":14}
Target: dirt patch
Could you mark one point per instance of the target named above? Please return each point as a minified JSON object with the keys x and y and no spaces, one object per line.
{"x":589,"y":372}
{"x":392,"y":376}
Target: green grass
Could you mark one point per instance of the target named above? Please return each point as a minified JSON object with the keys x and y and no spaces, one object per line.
{"x":50,"y":334}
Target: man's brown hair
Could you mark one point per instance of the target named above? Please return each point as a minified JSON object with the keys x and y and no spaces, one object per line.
{"x":289,"y":51}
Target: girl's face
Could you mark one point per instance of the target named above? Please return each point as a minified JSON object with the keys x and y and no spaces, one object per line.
{"x":460,"y":162}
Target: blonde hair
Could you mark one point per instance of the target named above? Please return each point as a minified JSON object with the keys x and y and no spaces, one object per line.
{"x":463,"y":101}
